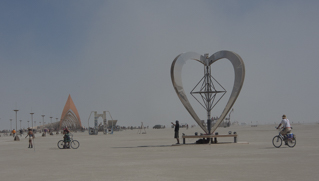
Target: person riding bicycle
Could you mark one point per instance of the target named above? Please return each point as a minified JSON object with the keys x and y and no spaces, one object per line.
{"x":286,"y":126}
{"x":66,"y":137}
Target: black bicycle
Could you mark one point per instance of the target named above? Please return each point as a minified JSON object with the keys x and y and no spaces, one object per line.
{"x":289,"y":139}
{"x":73,"y":143}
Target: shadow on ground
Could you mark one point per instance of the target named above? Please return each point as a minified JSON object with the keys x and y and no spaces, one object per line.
{"x":145,"y":146}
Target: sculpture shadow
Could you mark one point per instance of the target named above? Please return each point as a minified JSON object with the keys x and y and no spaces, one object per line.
{"x":145,"y":146}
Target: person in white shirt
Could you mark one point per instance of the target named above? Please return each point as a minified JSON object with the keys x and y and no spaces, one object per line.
{"x":285,"y":124}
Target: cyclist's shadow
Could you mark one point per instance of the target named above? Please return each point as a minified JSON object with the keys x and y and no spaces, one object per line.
{"x":271,"y":147}
{"x":53,"y":148}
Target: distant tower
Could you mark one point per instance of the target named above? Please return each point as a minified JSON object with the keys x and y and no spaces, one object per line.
{"x":70,"y":116}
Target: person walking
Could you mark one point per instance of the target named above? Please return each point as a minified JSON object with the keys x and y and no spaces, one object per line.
{"x":176,"y":130}
{"x":31,"y":136}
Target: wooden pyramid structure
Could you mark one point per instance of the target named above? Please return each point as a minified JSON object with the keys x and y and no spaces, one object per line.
{"x":70,"y":116}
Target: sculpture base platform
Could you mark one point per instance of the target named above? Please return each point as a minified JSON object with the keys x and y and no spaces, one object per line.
{"x":219,"y":143}
{"x":209,"y":138}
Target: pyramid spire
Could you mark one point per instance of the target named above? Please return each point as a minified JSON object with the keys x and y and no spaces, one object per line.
{"x":70,"y":116}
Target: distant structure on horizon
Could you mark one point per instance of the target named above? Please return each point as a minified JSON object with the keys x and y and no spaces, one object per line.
{"x":70,"y":116}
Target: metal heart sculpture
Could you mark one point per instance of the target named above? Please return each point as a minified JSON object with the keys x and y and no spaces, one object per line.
{"x":176,"y":76}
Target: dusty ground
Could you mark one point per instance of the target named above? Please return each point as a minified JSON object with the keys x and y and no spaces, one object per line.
{"x":127,"y":155}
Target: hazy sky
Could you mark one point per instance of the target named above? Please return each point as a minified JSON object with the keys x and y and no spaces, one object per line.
{"x":116,"y":56}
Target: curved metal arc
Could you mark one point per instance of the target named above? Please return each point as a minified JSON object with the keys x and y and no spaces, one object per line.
{"x":70,"y":118}
{"x":176,"y":77}
{"x":239,"y":69}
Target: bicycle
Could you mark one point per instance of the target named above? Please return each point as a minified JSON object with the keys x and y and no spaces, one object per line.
{"x":73,"y":143}
{"x":290,"y":139}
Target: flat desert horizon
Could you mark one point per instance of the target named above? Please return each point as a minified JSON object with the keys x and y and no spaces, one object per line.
{"x":127,"y":155}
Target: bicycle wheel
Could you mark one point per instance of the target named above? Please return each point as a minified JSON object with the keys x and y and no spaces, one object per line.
{"x":75,"y":144}
{"x":277,"y":141}
{"x":292,"y":142}
{"x":61,"y":144}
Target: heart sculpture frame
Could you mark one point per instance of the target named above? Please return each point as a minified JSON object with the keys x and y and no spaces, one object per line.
{"x":176,"y":76}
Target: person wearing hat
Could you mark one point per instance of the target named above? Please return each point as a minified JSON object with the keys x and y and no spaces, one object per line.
{"x":176,"y":131}
{"x":31,"y":136}
{"x":286,"y":126}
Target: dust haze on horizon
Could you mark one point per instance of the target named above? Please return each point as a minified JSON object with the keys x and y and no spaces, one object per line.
{"x":116,"y":56}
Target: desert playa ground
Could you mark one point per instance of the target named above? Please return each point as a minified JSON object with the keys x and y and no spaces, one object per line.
{"x":127,"y":155}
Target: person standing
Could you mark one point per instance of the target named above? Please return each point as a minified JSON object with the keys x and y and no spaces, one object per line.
{"x":176,"y":130}
{"x":31,"y":136}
